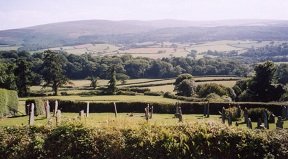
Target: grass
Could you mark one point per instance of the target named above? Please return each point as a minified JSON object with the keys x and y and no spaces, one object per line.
{"x":122,"y":120}
{"x":79,"y":86}
{"x":116,"y":98}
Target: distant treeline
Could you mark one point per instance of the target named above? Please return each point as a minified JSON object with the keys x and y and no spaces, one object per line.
{"x":83,"y":66}
{"x":272,"y":52}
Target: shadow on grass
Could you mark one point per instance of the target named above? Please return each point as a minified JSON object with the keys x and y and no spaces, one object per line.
{"x":43,"y":118}
{"x":17,"y":116}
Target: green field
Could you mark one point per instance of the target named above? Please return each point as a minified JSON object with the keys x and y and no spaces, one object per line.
{"x":164,"y":85}
{"x":123,"y":120}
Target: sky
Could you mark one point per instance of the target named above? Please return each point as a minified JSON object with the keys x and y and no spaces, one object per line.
{"x":23,"y":13}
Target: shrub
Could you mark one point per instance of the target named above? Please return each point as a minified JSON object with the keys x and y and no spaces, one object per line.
{"x":130,"y":93}
{"x":235,"y":112}
{"x":8,"y":102}
{"x":255,"y":113}
{"x":12,"y":101}
{"x":149,"y":93}
{"x":39,"y":108}
{"x":3,"y":102}
{"x":212,"y":97}
{"x":205,"y":140}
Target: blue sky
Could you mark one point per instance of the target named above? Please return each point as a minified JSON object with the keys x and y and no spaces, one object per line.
{"x":22,"y":13}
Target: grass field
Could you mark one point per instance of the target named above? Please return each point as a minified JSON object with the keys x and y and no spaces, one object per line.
{"x":79,"y":86}
{"x":122,"y":120}
{"x":114,"y":98}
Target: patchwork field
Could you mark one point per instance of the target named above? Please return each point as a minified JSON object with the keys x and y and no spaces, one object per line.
{"x":157,"y":50}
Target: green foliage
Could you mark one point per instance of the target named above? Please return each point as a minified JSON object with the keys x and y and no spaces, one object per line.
{"x":180,"y":78}
{"x":149,"y":93}
{"x":7,"y":77}
{"x":12,"y":103}
{"x":39,"y":108}
{"x":24,"y":77}
{"x":53,"y":71}
{"x":282,"y":73}
{"x":93,"y":82}
{"x":205,"y":140}
{"x":255,"y":113}
{"x":235,"y":112}
{"x":213,"y":97}
{"x":8,"y":102}
{"x":3,"y":102}
{"x":203,"y":90}
{"x":112,"y":82}
{"x":186,"y":88}
{"x":261,"y":86}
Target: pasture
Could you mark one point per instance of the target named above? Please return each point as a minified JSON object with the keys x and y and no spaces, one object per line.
{"x":164,"y":85}
{"x":123,"y":120}
{"x":156,"y":49}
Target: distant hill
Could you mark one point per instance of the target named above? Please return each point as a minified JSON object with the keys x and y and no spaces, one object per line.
{"x":132,"y":31}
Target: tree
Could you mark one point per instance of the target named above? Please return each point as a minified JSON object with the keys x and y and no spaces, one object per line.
{"x":282,"y":73}
{"x":122,"y":77}
{"x":24,"y":77}
{"x":180,"y":78}
{"x":203,"y":90}
{"x":53,"y":73}
{"x":94,"y":82}
{"x":7,"y":77}
{"x":186,"y":87}
{"x":112,"y":82}
{"x":261,"y":86}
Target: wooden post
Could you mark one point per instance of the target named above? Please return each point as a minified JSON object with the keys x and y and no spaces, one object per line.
{"x":47,"y":108}
{"x":87,"y":109}
{"x":115,"y":109}
{"x":56,"y":108}
{"x":58,"y":117}
{"x":31,"y":115}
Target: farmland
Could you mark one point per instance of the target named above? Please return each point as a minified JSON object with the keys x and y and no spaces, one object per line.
{"x":156,"y":50}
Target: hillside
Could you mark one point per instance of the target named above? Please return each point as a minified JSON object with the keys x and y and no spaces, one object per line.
{"x":132,"y":31}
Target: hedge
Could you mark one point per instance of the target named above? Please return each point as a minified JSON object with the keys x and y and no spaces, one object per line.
{"x":164,"y":108}
{"x":39,"y":108}
{"x":8,"y":102}
{"x":205,"y":140}
{"x":12,"y":101}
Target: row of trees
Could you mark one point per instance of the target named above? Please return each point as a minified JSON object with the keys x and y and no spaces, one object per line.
{"x":268,"y":84}
{"x":83,"y":66}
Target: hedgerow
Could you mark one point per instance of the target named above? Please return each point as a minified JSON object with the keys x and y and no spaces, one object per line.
{"x":199,"y":140}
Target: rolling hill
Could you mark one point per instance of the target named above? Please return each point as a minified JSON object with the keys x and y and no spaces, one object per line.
{"x":132,"y":31}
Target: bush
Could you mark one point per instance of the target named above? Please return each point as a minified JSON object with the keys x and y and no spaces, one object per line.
{"x":8,"y":102}
{"x":39,"y":108}
{"x":255,"y":113}
{"x":149,"y":93}
{"x":235,"y":112}
{"x":129,"y":93}
{"x":203,"y":90}
{"x":205,"y":140}
{"x":12,"y":101}
{"x":3,"y":102}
